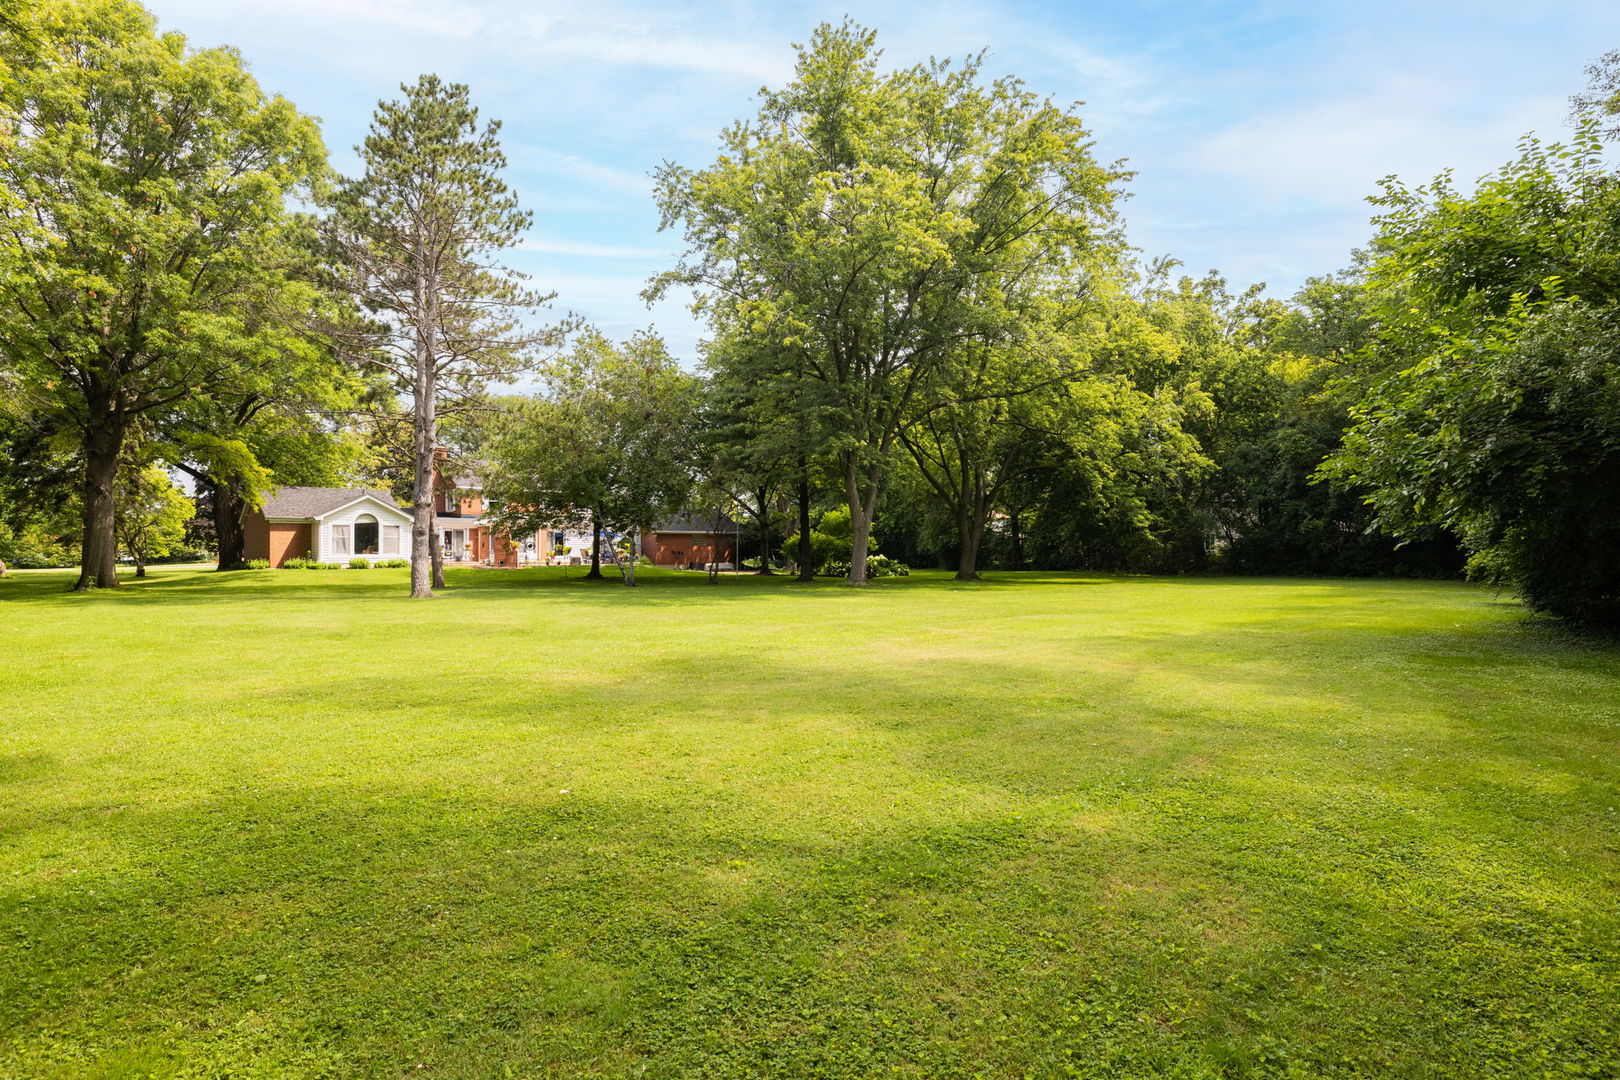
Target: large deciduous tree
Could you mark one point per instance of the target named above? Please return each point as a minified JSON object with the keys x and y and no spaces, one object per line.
{"x":610,"y":441}
{"x":873,"y":222}
{"x":144,"y":221}
{"x":1498,"y":415}
{"x":418,"y":230}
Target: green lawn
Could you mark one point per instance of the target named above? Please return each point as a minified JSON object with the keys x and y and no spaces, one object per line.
{"x":291,"y":824}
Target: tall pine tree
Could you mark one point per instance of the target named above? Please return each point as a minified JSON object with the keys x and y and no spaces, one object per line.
{"x":417,"y":230}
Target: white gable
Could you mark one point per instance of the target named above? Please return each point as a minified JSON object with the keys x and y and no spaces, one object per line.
{"x":365,"y":504}
{"x":336,"y":529}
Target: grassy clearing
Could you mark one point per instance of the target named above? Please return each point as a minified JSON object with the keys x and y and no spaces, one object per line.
{"x":289,"y":824}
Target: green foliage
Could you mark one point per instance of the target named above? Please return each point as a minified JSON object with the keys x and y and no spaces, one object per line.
{"x":608,"y":441}
{"x":877,"y":566}
{"x":299,"y":562}
{"x":880,"y":566}
{"x":1599,"y":104}
{"x":393,"y":564}
{"x":418,"y":232}
{"x":358,"y":563}
{"x":156,"y":180}
{"x":40,"y":512}
{"x":152,"y":513}
{"x":33,"y":547}
{"x":864,"y":224}
{"x":256,"y":564}
{"x":1497,"y":415}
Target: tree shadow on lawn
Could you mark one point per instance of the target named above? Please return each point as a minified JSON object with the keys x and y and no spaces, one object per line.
{"x":366,"y":931}
{"x":653,"y":588}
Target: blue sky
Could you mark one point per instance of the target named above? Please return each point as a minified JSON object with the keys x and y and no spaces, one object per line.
{"x":1256,"y":128}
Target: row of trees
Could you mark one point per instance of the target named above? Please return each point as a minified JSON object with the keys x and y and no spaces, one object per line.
{"x":927,"y":334}
{"x":184,"y":281}
{"x":921,"y":307}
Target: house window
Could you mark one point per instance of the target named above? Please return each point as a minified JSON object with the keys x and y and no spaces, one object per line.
{"x":365,"y":535}
{"x":390,"y":539}
{"x":340,"y":540}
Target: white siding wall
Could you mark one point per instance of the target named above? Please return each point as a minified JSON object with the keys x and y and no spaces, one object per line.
{"x":321,"y":535}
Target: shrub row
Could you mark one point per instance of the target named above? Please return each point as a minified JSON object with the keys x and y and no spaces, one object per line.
{"x":876,"y":566}
{"x":298,"y":562}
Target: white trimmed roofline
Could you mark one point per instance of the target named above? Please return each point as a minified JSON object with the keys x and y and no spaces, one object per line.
{"x":359,"y":499}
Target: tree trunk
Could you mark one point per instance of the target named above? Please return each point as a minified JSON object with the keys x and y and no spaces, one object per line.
{"x":764,"y":519}
{"x":424,"y":442}
{"x":969,"y":531}
{"x":971,"y":509}
{"x":806,"y":551}
{"x":596,"y":549}
{"x":229,"y":526}
{"x":1017,"y":542}
{"x":436,"y":553}
{"x":627,"y":573}
{"x":98,"y":560}
{"x":140,"y":562}
{"x":862,"y":505}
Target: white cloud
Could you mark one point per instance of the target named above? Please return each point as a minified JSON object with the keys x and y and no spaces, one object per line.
{"x":1335,"y":151}
{"x":604,"y":38}
{"x":542,"y":159}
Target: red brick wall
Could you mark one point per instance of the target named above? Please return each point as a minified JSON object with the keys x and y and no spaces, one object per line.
{"x":276,"y":542}
{"x":288,"y":541}
{"x":255,"y":536}
{"x":678,"y":549}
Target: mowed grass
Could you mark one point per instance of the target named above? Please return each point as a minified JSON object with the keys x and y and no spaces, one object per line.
{"x":292,"y":824}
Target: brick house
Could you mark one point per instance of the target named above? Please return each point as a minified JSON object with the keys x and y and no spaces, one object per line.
{"x":328,"y":525}
{"x":466,"y":535}
{"x":692,"y":541}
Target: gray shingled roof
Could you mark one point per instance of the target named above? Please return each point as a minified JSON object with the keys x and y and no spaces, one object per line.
{"x":309,"y":502}
{"x":698,"y":521}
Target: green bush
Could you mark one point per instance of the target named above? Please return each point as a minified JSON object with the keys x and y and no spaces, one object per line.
{"x":358,"y":563}
{"x":882,"y":566}
{"x":298,"y":562}
{"x":393,"y":564}
{"x":326,"y":566}
{"x":34,"y":548}
{"x":876,"y":566}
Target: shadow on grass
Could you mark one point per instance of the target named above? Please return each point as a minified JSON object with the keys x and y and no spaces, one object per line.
{"x":653,"y":586}
{"x":370,"y":931}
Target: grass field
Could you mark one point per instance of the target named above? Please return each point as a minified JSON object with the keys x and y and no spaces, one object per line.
{"x":291,"y":824}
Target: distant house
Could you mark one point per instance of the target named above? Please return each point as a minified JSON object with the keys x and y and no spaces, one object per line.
{"x":691,"y":540}
{"x":327,"y":525}
{"x":466,"y":535}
